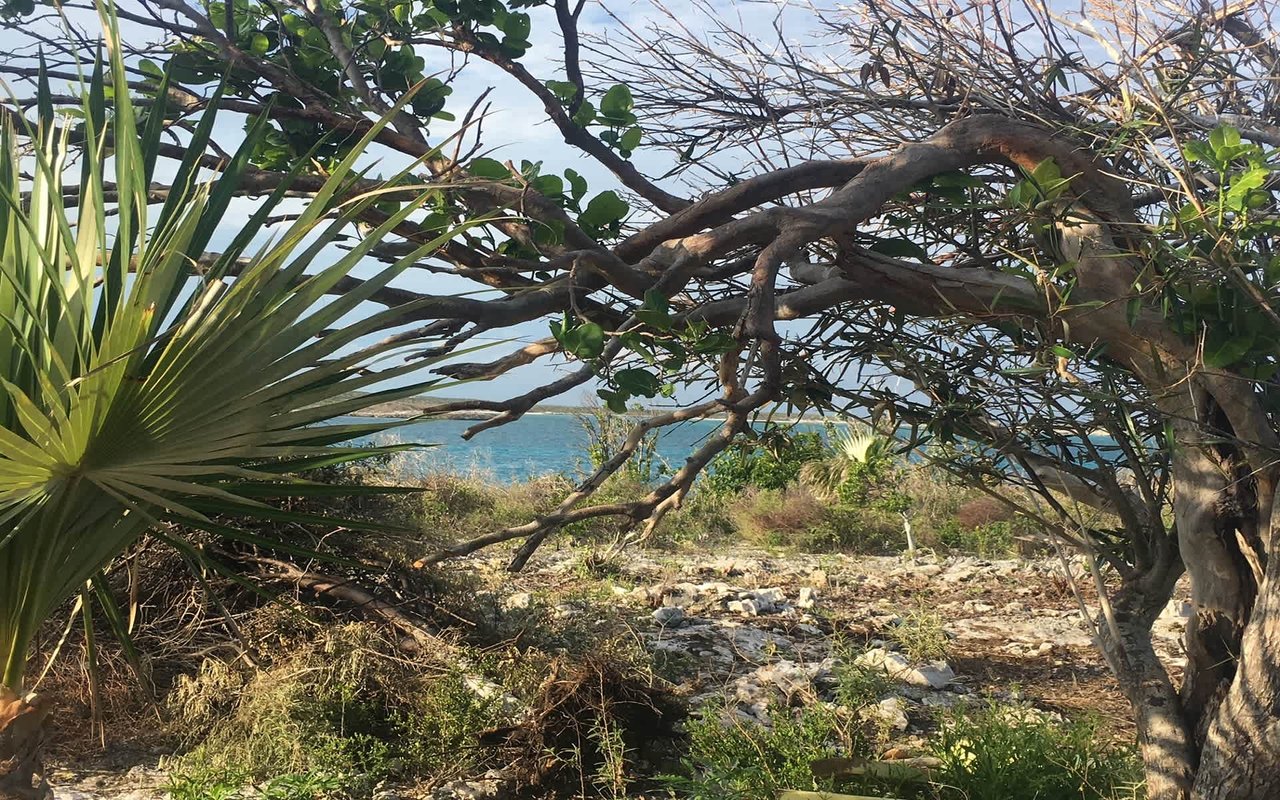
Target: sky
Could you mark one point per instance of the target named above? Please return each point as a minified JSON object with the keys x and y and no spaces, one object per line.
{"x":515,"y":129}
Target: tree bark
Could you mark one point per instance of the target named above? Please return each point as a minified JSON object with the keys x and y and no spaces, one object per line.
{"x":1241,"y":755}
{"x":21,"y":739}
{"x":1165,"y":738}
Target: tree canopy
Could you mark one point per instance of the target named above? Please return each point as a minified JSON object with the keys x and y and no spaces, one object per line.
{"x":1041,"y":237}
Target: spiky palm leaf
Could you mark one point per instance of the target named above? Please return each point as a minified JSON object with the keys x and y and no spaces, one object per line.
{"x":135,"y":388}
{"x":853,"y":448}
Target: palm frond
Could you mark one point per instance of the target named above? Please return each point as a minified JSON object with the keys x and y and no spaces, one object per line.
{"x":137,"y":389}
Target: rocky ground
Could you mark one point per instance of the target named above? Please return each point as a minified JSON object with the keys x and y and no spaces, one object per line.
{"x":750,"y":629}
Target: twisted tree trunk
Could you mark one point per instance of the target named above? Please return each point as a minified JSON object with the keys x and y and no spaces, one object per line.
{"x":1240,"y":759}
{"x":21,"y":739}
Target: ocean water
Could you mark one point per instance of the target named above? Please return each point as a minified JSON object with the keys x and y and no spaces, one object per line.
{"x":536,"y":444}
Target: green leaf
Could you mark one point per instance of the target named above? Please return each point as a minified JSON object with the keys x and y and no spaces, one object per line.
{"x":616,"y":402}
{"x":1046,"y":172}
{"x":585,"y":341}
{"x":1132,"y":310}
{"x":655,"y":311}
{"x":617,"y":102}
{"x":631,"y":139}
{"x":563,"y":90}
{"x":585,"y":115}
{"x":603,"y":212}
{"x":489,"y":168}
{"x":1197,"y":152}
{"x":577,"y":185}
{"x":636,"y":381}
{"x":899,"y":248}
{"x":517,"y":27}
{"x":1224,"y":140}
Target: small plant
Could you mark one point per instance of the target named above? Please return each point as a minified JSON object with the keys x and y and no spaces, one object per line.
{"x":772,"y":460}
{"x":858,"y":459}
{"x":858,"y":685}
{"x":731,"y":759}
{"x":1000,"y":753}
{"x":921,"y":636}
{"x":205,"y":784}
{"x":231,"y":785}
{"x":607,"y":434}
{"x":611,"y":773}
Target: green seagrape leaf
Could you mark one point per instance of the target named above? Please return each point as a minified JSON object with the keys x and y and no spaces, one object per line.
{"x":604,"y":211}
{"x":489,"y":168}
{"x":636,"y":381}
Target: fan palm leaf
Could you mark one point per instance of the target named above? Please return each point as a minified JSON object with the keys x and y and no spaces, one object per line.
{"x":136,"y":388}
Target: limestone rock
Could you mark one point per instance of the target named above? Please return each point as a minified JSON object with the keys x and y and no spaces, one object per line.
{"x":669,"y":616}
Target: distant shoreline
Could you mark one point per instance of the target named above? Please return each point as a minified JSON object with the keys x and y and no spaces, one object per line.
{"x":407,"y":409}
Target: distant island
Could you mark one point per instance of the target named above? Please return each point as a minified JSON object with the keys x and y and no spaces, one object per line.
{"x":418,"y":406}
{"x":423,"y":405}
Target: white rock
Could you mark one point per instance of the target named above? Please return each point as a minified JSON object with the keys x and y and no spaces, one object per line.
{"x":933,"y":675}
{"x":808,"y":597}
{"x":773,"y":596}
{"x":517,"y":600}
{"x":890,"y":712}
{"x":747,"y":607}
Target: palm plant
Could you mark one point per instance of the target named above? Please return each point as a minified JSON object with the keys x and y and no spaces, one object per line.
{"x":854,"y":451}
{"x":138,"y":389}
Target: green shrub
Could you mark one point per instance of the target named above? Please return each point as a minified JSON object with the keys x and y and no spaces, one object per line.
{"x":859,"y":685}
{"x":990,"y":540}
{"x":855,"y":529}
{"x":777,"y":517}
{"x":607,"y":434}
{"x":346,"y":705}
{"x":773,"y":460}
{"x":702,"y":518}
{"x":998,"y":753}
{"x":737,"y":760}
{"x":223,"y":785}
{"x":921,"y":636}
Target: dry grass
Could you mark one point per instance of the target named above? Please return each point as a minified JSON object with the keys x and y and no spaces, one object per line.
{"x":776,"y":516}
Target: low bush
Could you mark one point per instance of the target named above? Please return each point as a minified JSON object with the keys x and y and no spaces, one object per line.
{"x":346,"y":705}
{"x":998,"y":753}
{"x":920,"y":635}
{"x":772,"y":460}
{"x":732,"y":759}
{"x":222,"y":785}
{"x":777,"y":517}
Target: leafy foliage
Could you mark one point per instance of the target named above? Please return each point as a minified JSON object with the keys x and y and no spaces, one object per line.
{"x":997,"y":753}
{"x":772,"y":460}
{"x":139,"y":389}
{"x":732,"y":759}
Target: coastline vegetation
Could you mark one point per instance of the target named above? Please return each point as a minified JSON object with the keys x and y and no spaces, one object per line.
{"x":296,"y":702}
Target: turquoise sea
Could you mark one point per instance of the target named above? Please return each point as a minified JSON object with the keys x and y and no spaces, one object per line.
{"x":536,"y":444}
